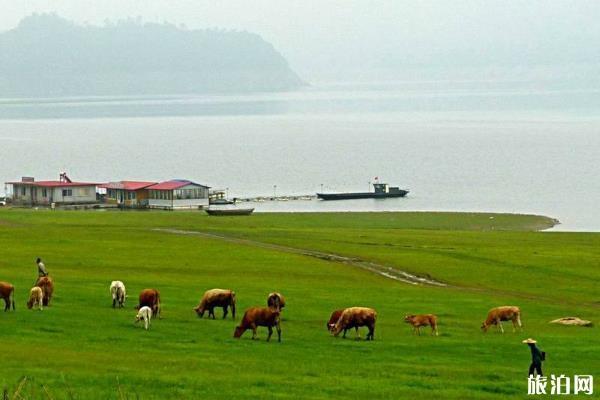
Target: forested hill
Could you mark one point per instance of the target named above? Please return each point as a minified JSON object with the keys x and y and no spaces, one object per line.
{"x":47,"y":56}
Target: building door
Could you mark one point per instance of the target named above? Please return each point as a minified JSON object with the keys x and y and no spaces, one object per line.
{"x":33,"y":195}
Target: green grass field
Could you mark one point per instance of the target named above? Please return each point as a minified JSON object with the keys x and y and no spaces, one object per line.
{"x":81,"y":348}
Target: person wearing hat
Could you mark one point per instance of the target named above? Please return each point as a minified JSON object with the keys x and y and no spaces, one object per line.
{"x":41,"y":268}
{"x":537,"y":356}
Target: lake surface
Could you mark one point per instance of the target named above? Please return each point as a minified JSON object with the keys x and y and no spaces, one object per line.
{"x":521,"y":147}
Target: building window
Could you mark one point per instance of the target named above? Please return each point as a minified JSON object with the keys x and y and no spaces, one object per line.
{"x":22,"y":190}
{"x":67,"y":192}
{"x":44,"y":192}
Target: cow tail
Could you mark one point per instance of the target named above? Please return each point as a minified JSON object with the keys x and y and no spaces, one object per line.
{"x":158,"y":305}
{"x":233,"y":304}
{"x":519,"y":319}
{"x":12,"y":295}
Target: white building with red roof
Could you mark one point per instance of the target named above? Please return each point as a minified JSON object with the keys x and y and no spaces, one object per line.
{"x":177,"y":194}
{"x":30,"y":192}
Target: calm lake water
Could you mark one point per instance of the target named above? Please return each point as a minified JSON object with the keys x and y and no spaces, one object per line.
{"x":517,"y":147}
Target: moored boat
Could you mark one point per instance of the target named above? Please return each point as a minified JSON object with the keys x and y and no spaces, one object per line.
{"x":382,"y":191}
{"x":219,"y":197}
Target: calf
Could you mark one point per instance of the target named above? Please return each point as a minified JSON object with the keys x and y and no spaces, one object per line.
{"x":145,"y":314}
{"x":216,"y":298}
{"x":7,"y":293}
{"x":257,"y":316}
{"x":276,"y":300}
{"x":150,"y":298}
{"x":36,"y":298}
{"x":417,"y":321}
{"x":47,"y":286}
{"x":355,"y":317}
{"x":504,"y":313}
{"x":118,"y":293}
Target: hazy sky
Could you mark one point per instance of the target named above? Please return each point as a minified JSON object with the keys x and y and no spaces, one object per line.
{"x":320,"y":35}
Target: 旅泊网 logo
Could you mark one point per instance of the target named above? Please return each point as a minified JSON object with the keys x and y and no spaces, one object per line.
{"x":560,"y":385}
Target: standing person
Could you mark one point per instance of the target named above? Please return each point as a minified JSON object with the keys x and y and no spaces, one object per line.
{"x":41,"y":268}
{"x":537,"y":356}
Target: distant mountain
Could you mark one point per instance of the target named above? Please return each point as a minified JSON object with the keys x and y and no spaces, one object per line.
{"x":47,"y":56}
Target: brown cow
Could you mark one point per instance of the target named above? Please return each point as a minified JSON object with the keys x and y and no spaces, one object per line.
{"x":47,"y":286}
{"x":355,"y":317}
{"x":335,"y":316}
{"x":7,"y":293}
{"x":504,"y":313}
{"x":216,"y":298}
{"x":417,"y":321}
{"x":276,"y":300}
{"x":150,"y":298}
{"x":258,"y":316}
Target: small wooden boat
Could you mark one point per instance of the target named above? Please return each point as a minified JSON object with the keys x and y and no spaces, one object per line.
{"x":229,"y":211}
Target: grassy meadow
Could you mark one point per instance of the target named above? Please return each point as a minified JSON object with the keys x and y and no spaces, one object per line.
{"x":81,"y":348}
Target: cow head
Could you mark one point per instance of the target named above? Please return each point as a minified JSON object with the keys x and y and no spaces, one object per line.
{"x":30,"y":303}
{"x":238,"y":332}
{"x":200,"y":311}
{"x":274,"y":301}
{"x":139,"y":316}
{"x":484,"y":327}
{"x":409,"y":318}
{"x":337,"y":328}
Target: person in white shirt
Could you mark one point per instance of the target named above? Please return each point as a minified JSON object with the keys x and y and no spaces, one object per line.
{"x":41,"y":268}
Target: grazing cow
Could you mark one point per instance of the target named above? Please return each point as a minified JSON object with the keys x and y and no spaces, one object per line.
{"x":258,"y":316}
{"x":36,"y":298}
{"x":47,"y":286}
{"x":335,"y":316}
{"x":145,"y":314}
{"x":504,"y":313}
{"x":216,"y":298}
{"x":7,"y":293}
{"x":118,"y":293}
{"x":417,"y":321}
{"x":150,"y":298}
{"x":355,"y":317}
{"x":276,"y":300}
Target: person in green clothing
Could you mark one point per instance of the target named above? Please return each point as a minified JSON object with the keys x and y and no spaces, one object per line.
{"x":537,"y":356}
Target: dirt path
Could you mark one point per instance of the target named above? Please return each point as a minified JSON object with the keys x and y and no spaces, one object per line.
{"x":379,"y":269}
{"x":383,"y":270}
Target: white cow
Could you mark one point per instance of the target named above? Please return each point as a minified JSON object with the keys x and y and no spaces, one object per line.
{"x":117,"y":291}
{"x":36,"y":296}
{"x":144,"y":313}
